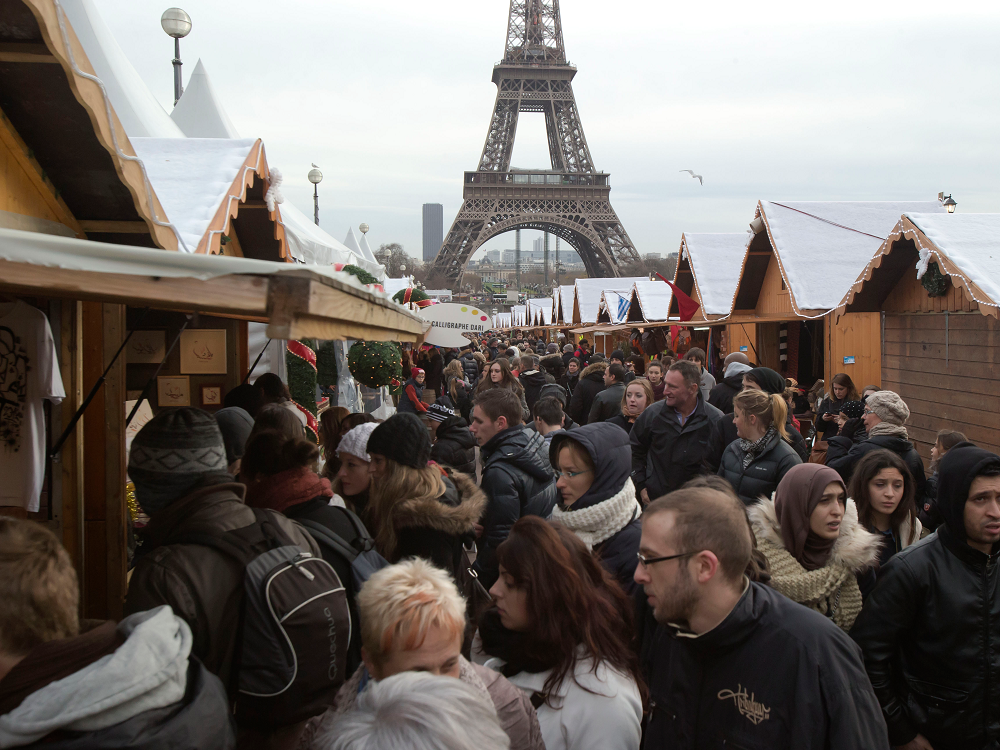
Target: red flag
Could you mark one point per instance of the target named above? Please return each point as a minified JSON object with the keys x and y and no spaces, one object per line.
{"x":687,"y":306}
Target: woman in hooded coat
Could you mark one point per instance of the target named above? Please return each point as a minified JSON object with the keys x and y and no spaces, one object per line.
{"x":814,"y":545}
{"x":597,"y":497}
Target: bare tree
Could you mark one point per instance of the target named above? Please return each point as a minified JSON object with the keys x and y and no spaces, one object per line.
{"x":394,"y":258}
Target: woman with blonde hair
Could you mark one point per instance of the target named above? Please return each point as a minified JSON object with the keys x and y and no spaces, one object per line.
{"x":638,"y":396}
{"x":756,"y":463}
{"x":457,"y":389}
{"x":419,"y":509}
{"x":499,"y":375}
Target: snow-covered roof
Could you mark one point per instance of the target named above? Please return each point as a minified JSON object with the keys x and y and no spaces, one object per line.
{"x":541,"y":311}
{"x":191,"y":177}
{"x":616,"y":304}
{"x":139,"y":111}
{"x":654,"y":299}
{"x":824,"y":246}
{"x":199,"y":113}
{"x":970,"y":241}
{"x":564,"y":300}
{"x":502,"y":320}
{"x":716,"y":261}
{"x":588,"y":294}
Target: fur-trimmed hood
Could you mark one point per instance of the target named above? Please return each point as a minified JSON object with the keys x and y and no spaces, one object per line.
{"x":455,"y":512}
{"x":594,"y":367}
{"x":855,"y":549}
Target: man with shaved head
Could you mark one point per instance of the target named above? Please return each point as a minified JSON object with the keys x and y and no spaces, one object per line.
{"x":733,"y":662}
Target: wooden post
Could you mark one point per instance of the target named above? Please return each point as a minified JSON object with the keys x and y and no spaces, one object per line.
{"x":71,"y":463}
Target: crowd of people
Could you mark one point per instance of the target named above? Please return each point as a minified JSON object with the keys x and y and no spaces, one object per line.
{"x":542,"y":549}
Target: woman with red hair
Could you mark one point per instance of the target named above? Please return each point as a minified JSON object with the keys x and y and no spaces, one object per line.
{"x":560,"y":631}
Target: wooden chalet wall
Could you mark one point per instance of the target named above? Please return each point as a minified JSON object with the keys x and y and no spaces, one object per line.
{"x":942,"y":356}
{"x":774,"y":300}
{"x":24,"y":190}
{"x":855,"y":335}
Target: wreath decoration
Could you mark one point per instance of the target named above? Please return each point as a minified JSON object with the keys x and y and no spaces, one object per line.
{"x":935,"y":282}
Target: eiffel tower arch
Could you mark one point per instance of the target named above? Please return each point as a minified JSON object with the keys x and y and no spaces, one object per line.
{"x":572,"y":200}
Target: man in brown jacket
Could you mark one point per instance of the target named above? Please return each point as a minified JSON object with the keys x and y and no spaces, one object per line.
{"x":178,"y":466}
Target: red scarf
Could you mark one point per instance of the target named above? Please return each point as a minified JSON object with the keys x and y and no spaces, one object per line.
{"x":287,"y":488}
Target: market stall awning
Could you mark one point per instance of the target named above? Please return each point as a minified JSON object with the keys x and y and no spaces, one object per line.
{"x":297,"y":301}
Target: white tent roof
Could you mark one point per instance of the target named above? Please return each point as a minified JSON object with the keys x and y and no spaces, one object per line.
{"x":617,"y":304}
{"x":351,"y":242}
{"x":716,"y":261}
{"x":198,"y":113}
{"x":366,"y":250}
{"x":970,"y":241}
{"x":392,"y":286}
{"x":519,"y":315}
{"x":191,"y":177}
{"x":564,"y":297}
{"x":588,"y":294}
{"x":824,"y":246}
{"x":501,"y":320}
{"x":654,"y":299}
{"x":310,"y":244}
{"x":139,"y":111}
{"x":541,"y":311}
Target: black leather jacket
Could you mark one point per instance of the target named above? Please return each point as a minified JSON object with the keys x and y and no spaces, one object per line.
{"x":518,"y":481}
{"x":930,"y":633}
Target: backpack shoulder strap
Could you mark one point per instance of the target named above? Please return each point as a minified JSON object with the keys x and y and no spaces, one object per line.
{"x":364,"y":541}
{"x":325,"y":536}
{"x":243,"y":544}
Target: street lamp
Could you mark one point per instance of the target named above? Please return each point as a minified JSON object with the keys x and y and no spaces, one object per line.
{"x":177,"y":24}
{"x":949,"y":204}
{"x":363,"y":228}
{"x":315,"y":177}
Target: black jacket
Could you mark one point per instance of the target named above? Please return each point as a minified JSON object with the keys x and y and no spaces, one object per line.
{"x":842,"y":455}
{"x":761,"y":477}
{"x":552,"y":364}
{"x":727,"y":434}
{"x":532,"y":382}
{"x":621,"y":421}
{"x":569,"y":382}
{"x":455,"y":446}
{"x":607,"y":403}
{"x":721,"y":396}
{"x":927,"y":505}
{"x":471,"y":368}
{"x":666,"y":454}
{"x":773,"y":675}
{"x":435,"y":372}
{"x":611,"y":454}
{"x":518,"y":481}
{"x":930,"y":631}
{"x":590,"y":384}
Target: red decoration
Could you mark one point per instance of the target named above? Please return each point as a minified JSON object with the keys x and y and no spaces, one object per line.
{"x":687,"y":306}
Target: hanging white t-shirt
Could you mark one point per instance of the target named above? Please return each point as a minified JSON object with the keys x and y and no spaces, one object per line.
{"x":29,"y":373}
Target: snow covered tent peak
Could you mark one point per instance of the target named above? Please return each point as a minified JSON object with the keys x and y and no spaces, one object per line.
{"x":139,"y":111}
{"x":588,"y":295}
{"x":715,"y":262}
{"x":366,"y":250}
{"x":199,"y":113}
{"x":540,"y":311}
{"x":351,"y":242}
{"x":823,"y":246}
{"x":653,"y":299}
{"x":564,"y":303}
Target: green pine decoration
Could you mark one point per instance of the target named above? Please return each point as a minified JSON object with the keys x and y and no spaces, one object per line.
{"x":363,"y":276}
{"x":375,"y":363}
{"x":302,"y":380}
{"x":326,"y":364}
{"x":934,"y":281}
{"x":416,"y":295}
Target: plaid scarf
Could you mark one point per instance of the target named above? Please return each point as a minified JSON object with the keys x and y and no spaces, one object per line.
{"x":753,"y":449}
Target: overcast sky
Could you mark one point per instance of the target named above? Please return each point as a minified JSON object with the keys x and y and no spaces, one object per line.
{"x":777,"y":101}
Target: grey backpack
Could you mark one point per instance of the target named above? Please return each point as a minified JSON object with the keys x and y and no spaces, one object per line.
{"x":294,"y":625}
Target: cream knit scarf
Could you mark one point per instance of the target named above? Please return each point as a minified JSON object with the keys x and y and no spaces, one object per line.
{"x":602,"y":521}
{"x":885,"y":428}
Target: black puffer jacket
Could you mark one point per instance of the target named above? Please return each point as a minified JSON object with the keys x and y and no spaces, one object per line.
{"x":471,"y":368}
{"x":721,"y":396}
{"x":666,"y":454}
{"x":590,"y":384}
{"x":518,"y":481}
{"x":761,"y":477}
{"x":611,"y":454}
{"x":843,"y":455}
{"x":727,"y":434}
{"x":930,"y":631}
{"x":773,"y":674}
{"x":607,"y":403}
{"x":552,"y":364}
{"x":533,"y":380}
{"x":455,"y":446}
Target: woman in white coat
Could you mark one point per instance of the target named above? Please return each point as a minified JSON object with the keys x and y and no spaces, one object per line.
{"x":578,"y":670}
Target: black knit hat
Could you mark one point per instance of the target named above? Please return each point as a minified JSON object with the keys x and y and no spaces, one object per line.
{"x":768,"y":380}
{"x":403,"y":439}
{"x":853,"y":409}
{"x":618,"y":354}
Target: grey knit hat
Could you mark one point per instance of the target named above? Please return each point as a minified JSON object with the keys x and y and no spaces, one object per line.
{"x":888,"y":407}
{"x":175,"y":452}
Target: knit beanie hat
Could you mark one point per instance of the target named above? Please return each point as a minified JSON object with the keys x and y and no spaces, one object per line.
{"x":852,"y":409}
{"x":235,"y":424}
{"x":888,"y":407}
{"x":355,"y":441}
{"x":439,"y":412}
{"x":415,"y":371}
{"x":175,"y":452}
{"x":403,"y":439}
{"x":618,"y":354}
{"x":768,"y":380}
{"x":552,"y":348}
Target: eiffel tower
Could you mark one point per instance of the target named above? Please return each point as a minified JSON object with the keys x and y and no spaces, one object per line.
{"x":572,"y":199}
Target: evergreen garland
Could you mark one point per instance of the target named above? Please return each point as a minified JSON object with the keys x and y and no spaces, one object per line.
{"x":934,"y":281}
{"x":326,"y":364}
{"x":375,"y":363}
{"x":363,"y":276}
{"x":416,"y":295}
{"x":302,"y":379}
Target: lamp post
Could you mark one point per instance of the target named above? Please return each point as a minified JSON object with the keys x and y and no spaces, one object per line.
{"x":177,"y":24}
{"x":949,"y":204}
{"x":315,"y":177}
{"x":363,"y":228}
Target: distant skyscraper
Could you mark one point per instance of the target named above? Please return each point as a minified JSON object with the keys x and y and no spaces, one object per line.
{"x":433,"y":230}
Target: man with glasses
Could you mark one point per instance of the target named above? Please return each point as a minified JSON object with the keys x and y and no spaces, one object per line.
{"x":734,"y":663}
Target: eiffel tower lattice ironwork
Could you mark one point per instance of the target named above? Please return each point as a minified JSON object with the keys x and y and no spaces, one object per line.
{"x":572,"y":200}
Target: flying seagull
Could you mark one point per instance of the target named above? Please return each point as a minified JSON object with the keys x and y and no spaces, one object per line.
{"x":316,"y":166}
{"x":696,"y":176}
